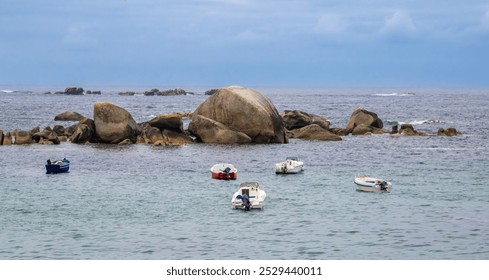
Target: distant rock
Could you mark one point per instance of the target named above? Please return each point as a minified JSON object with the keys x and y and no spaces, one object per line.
{"x":237,"y":114}
{"x":74,"y":91}
{"x":114,"y":124}
{"x":211,"y":91}
{"x":168,"y":92}
{"x":69,"y":116}
{"x":448,"y":132}
{"x":127,"y":93}
{"x":97,"y":92}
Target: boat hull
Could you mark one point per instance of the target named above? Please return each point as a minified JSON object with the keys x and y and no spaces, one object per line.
{"x":289,"y":167}
{"x":224,"y":171}
{"x":224,"y":176}
{"x":369,"y":184}
{"x":58,"y":167}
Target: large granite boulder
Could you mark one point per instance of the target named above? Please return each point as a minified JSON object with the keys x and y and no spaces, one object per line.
{"x":238,"y":114}
{"x":69,"y":116}
{"x":363,"y":117}
{"x":22,"y":137}
{"x":114,"y":124}
{"x":294,"y":119}
{"x":315,"y":132}
{"x":83,"y":132}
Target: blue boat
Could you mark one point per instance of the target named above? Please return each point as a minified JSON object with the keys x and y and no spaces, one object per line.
{"x":57,"y":166}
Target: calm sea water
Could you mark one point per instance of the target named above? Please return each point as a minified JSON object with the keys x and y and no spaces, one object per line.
{"x":145,"y":202}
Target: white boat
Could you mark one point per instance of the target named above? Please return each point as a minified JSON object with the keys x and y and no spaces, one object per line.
{"x":225,"y":171}
{"x":289,"y":166}
{"x":249,"y":196}
{"x":370,"y":184}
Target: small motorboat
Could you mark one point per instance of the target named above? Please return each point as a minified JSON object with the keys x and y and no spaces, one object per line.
{"x":249,"y":196}
{"x":57,"y":166}
{"x":291,"y":165}
{"x":225,"y":171}
{"x":370,"y":184}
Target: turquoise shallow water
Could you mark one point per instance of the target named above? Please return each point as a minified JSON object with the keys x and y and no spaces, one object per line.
{"x":144,"y":202}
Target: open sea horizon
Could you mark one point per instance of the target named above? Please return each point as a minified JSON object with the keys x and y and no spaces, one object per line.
{"x":153,"y":202}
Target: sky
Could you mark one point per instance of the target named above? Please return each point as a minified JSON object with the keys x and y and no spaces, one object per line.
{"x":255,"y":43}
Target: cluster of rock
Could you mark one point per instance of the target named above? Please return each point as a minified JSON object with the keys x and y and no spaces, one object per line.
{"x":157,"y":92}
{"x":230,"y":115}
{"x":75,"y":91}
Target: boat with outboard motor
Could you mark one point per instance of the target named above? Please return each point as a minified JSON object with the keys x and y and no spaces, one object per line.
{"x":370,"y":184}
{"x":225,"y":171}
{"x":249,"y":196}
{"x":291,"y":165}
{"x":58,"y":166}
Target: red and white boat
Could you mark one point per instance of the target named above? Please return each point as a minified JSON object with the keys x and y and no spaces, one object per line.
{"x":224,"y":171}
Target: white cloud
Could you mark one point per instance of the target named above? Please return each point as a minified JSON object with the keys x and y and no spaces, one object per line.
{"x":399,"y":23}
{"x":331,"y":24}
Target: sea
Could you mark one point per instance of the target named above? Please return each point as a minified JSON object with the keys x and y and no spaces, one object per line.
{"x":144,"y":202}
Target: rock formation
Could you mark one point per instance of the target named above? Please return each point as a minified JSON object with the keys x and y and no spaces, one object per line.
{"x":363,"y":117}
{"x":237,"y":114}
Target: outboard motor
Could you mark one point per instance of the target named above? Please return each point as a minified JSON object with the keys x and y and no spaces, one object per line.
{"x":383,"y":186}
{"x":227,"y":171}
{"x":246,"y":202}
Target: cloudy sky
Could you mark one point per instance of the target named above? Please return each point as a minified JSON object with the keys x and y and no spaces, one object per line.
{"x":303,"y":43}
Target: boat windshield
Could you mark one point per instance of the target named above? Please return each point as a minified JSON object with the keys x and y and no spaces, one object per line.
{"x":292,"y":158}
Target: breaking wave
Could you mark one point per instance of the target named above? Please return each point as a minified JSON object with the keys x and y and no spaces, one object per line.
{"x":396,"y":94}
